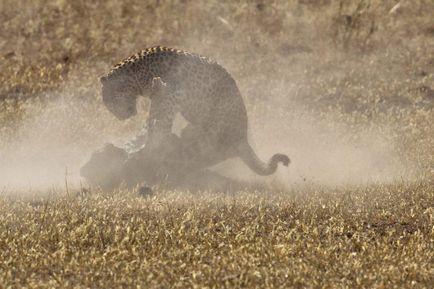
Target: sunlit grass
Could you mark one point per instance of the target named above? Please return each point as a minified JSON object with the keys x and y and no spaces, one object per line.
{"x":368,"y":236}
{"x":351,"y":69}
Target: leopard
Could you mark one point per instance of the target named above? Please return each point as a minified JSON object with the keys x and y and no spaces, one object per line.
{"x":198,"y":88}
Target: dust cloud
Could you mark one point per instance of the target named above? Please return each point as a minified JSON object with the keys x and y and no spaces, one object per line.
{"x":273,"y":50}
{"x":321,"y":153}
{"x":56,"y":138}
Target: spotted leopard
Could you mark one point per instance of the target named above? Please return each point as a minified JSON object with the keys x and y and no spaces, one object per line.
{"x":198,"y":88}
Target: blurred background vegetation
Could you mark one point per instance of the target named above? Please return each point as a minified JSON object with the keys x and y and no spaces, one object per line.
{"x":45,"y":43}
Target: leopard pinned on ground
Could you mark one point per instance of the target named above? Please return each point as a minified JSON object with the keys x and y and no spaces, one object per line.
{"x":198,"y":88}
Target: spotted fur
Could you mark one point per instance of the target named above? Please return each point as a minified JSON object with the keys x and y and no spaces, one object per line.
{"x":198,"y":88}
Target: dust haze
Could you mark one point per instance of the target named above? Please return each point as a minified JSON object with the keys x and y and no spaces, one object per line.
{"x":321,"y":155}
{"x":56,"y":138}
{"x":345,"y":88}
{"x":306,"y":96}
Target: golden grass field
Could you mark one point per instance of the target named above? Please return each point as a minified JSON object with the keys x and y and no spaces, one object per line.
{"x":345,"y":88}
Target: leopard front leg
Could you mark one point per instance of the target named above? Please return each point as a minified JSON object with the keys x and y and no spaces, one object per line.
{"x":161,"y":114}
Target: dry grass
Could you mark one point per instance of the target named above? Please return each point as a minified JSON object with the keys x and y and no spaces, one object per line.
{"x":356,"y":70}
{"x":361,"y":237}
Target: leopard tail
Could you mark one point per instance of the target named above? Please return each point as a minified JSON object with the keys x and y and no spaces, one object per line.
{"x":250,"y":158}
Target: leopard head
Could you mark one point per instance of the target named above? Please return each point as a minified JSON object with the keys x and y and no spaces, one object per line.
{"x":119,"y":94}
